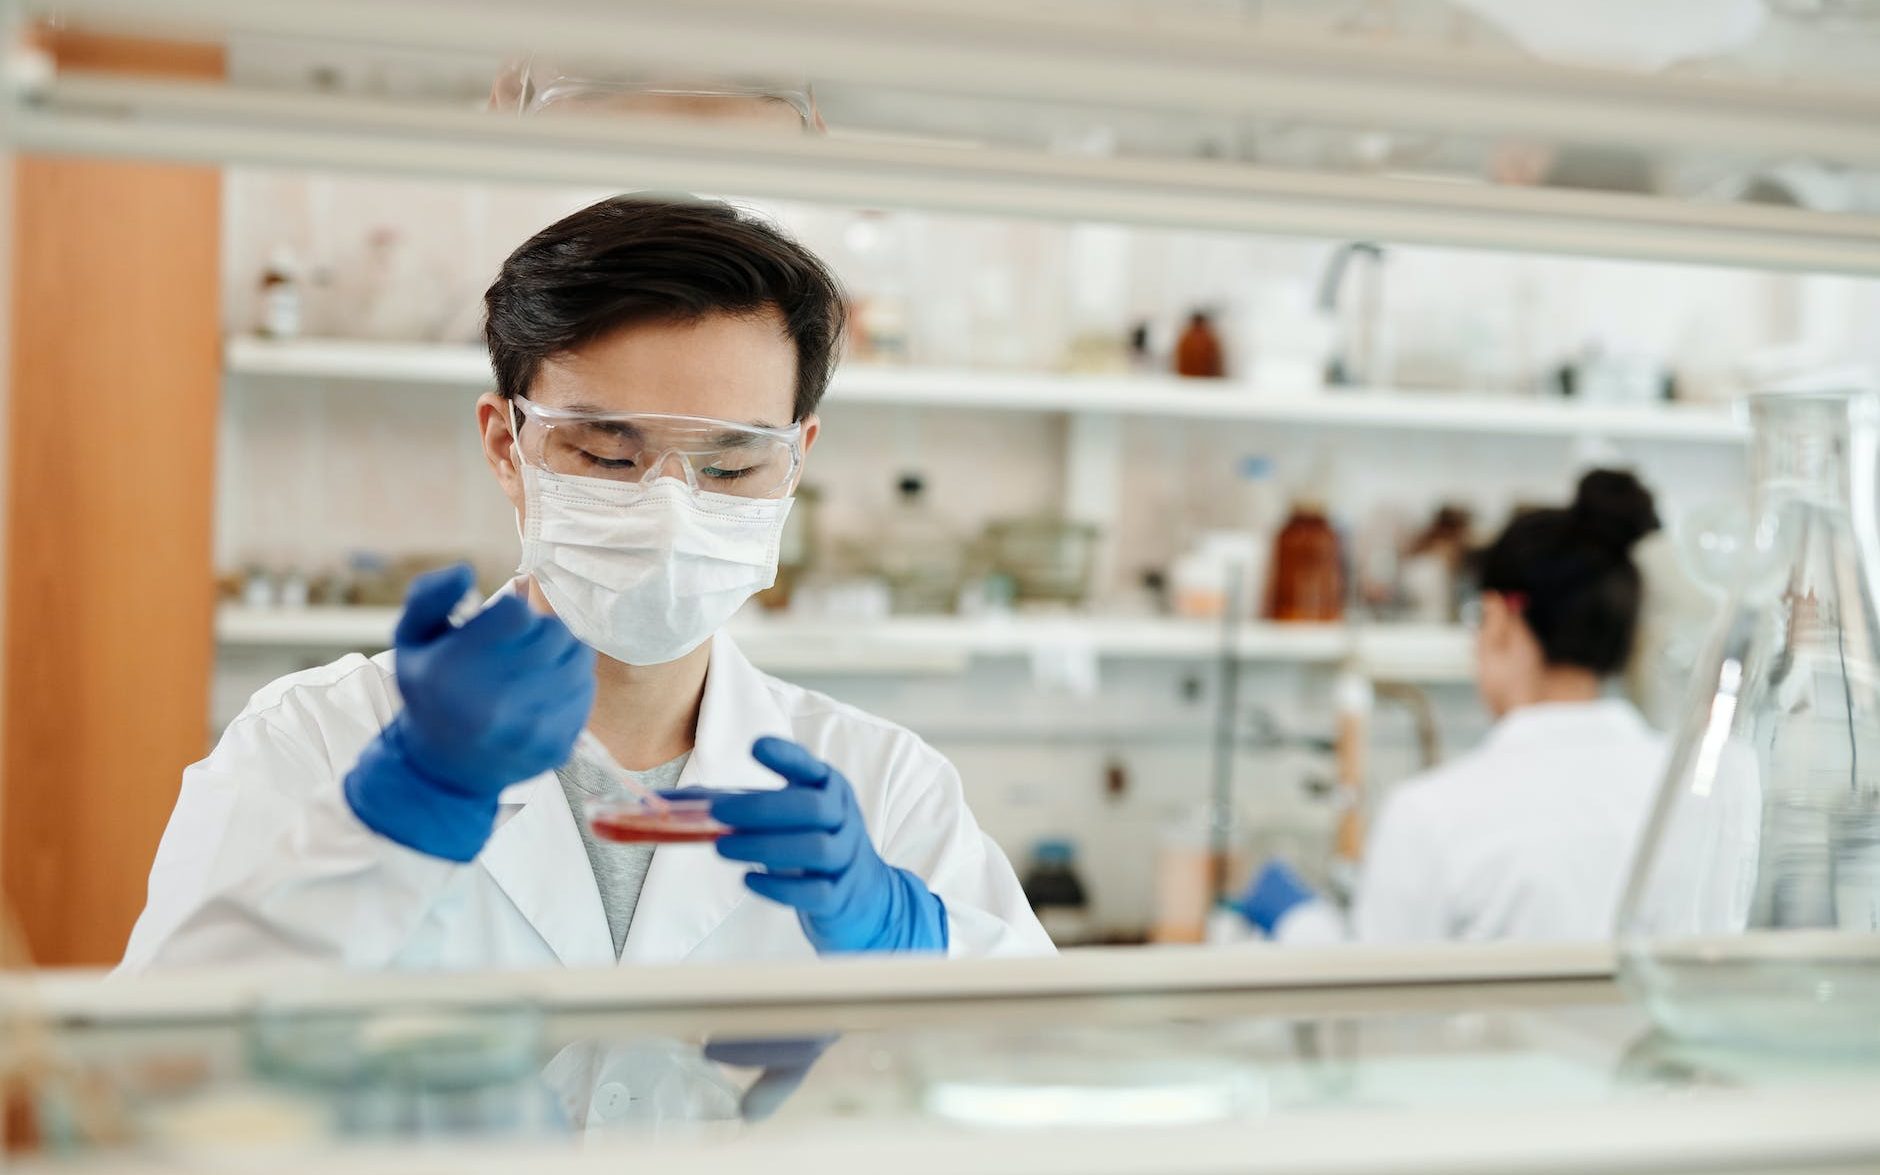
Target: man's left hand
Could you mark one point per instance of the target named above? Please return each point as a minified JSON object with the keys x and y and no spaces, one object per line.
{"x":816,"y":856}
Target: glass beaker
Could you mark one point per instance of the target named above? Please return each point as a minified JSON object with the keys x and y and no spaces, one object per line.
{"x":1753,"y":912}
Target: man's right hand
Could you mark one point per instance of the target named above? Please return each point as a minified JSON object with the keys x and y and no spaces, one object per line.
{"x":486,"y":705}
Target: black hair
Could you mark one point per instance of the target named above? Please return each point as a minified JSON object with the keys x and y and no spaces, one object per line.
{"x":1573,"y":570}
{"x":641,"y":258}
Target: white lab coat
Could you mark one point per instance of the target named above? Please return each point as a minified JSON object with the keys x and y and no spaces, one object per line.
{"x":263,"y":861}
{"x":1530,"y":836}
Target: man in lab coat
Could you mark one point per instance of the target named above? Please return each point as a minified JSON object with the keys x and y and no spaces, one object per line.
{"x":658,"y":365}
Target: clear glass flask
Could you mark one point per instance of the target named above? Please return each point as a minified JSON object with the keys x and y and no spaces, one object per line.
{"x":1753,"y":913}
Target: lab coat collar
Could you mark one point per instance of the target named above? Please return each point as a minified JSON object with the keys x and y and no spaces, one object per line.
{"x":690,"y":889}
{"x":737,"y":710}
{"x":1556,"y":722}
{"x":538,"y":858}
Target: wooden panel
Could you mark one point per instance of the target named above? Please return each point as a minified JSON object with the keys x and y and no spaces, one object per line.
{"x":75,"y":48}
{"x":114,"y":387}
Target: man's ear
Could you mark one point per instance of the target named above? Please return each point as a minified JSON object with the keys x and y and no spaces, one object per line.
{"x":812,"y":428}
{"x":493,"y":415}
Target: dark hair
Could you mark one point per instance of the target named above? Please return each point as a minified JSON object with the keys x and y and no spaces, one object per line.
{"x":631,"y":259}
{"x":1573,"y":570}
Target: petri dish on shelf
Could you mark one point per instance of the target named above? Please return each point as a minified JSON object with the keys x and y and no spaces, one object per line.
{"x":630,"y":820}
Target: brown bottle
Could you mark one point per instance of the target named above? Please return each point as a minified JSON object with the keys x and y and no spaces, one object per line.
{"x":1308,"y":580}
{"x":1198,"y":351}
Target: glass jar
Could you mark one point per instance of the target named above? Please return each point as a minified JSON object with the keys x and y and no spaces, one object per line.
{"x":1753,"y":912}
{"x":1307,"y":584}
{"x":919,"y":554}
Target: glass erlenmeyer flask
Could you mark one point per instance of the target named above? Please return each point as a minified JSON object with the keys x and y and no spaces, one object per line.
{"x":1753,"y":912}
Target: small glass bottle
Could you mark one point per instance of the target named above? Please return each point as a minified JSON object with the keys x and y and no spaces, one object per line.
{"x":880,"y":311}
{"x":1198,"y":351}
{"x":280,"y":316}
{"x":1307,"y":584}
{"x":1753,"y":912}
{"x":920,"y":556}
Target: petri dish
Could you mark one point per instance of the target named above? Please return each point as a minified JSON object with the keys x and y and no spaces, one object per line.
{"x":628,"y":820}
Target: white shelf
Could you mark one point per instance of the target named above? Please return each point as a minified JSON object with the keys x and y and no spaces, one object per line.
{"x":467,"y":366}
{"x":1169,"y":396}
{"x":940,"y":644}
{"x":306,"y":628}
{"x":452,"y":364}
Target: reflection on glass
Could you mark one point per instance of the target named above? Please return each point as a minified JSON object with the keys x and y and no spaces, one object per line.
{"x":1754,"y":911}
{"x":311,"y":1074}
{"x":439,"y":1069}
{"x":1663,"y":1063}
{"x":1088,"y":1078}
{"x":781,"y":1064}
{"x":408,"y":1070}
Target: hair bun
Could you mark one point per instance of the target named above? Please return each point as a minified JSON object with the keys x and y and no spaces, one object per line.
{"x":1614,"y":508}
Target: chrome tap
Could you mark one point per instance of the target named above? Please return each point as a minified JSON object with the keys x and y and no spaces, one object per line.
{"x":1355,"y":358}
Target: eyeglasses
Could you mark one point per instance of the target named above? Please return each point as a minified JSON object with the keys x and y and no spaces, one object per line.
{"x":714,"y":456}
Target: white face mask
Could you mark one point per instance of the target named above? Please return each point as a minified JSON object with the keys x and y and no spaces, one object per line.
{"x":645,"y":573}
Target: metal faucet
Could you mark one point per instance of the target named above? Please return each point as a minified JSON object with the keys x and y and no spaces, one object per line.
{"x":1355,"y":359}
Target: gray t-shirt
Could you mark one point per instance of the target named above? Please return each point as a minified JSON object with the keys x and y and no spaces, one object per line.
{"x":619,"y":870}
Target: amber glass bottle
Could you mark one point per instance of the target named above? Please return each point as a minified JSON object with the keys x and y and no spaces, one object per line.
{"x":1198,"y":351}
{"x":1308,"y":577}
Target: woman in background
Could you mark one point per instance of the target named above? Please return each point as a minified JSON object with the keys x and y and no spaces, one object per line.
{"x":1530,"y":835}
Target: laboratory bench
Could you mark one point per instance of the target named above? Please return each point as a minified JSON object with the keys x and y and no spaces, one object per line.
{"x":1502,"y":1058}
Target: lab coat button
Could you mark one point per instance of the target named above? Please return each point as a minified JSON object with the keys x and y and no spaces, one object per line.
{"x":611,"y":1100}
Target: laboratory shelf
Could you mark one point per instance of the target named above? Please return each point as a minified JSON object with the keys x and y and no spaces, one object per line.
{"x":454,"y":364}
{"x":1226,"y":400}
{"x":943,"y":644}
{"x":467,"y":366}
{"x":339,"y":628}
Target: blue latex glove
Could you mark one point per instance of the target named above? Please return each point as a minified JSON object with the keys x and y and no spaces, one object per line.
{"x":1275,"y":893}
{"x":810,"y":839}
{"x":500,"y":700}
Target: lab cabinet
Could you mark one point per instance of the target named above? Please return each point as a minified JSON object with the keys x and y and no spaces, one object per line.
{"x":1171,"y":1060}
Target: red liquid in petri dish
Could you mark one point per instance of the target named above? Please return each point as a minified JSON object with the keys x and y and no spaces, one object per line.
{"x":661,"y":828}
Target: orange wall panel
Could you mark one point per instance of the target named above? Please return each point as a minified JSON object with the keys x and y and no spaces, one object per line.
{"x":114,"y":389}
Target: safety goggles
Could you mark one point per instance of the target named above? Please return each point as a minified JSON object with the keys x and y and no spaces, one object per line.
{"x":714,"y":456}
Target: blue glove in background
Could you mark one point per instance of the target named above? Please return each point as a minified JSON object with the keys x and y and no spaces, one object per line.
{"x":1275,"y":893}
{"x":812,"y":843}
{"x":495,"y":702}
